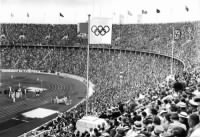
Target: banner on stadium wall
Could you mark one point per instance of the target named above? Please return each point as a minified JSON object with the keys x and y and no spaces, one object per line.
{"x":100,"y":30}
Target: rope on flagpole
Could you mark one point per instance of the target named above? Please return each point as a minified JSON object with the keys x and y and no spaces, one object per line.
{"x":88,"y":61}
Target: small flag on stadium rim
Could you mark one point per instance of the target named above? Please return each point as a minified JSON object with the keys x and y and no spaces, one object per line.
{"x":157,"y":11}
{"x":100,"y":30}
{"x":144,"y":12}
{"x":61,"y":15}
{"x":130,"y":13}
{"x":186,"y":8}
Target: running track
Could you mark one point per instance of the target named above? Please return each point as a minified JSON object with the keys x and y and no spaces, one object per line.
{"x":11,"y":125}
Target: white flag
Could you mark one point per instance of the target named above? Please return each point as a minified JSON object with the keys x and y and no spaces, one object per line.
{"x":100,"y":31}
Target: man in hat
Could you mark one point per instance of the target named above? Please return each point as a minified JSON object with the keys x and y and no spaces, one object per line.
{"x":181,"y":105}
{"x":183,"y":118}
{"x":135,"y":130}
{"x":175,"y":123}
{"x":162,"y":115}
{"x":195,"y":103}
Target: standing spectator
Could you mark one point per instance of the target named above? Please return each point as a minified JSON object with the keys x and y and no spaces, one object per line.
{"x":193,"y":120}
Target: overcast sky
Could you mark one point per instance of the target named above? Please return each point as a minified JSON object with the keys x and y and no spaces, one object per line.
{"x":75,"y":11}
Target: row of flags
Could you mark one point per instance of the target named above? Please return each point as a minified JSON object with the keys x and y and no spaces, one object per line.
{"x":128,"y":12}
{"x":157,"y":11}
{"x":28,"y":15}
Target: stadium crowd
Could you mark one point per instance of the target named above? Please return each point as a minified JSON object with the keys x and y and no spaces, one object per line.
{"x":170,"y":110}
{"x":110,"y":70}
{"x":144,"y":37}
{"x":148,"y":107}
{"x":105,"y":68}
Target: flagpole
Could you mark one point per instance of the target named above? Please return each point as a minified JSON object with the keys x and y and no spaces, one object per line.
{"x":128,"y":71}
{"x":88,"y":61}
{"x":172,"y":53}
{"x":120,"y":27}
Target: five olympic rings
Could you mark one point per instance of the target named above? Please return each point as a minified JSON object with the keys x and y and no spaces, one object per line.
{"x":100,"y":30}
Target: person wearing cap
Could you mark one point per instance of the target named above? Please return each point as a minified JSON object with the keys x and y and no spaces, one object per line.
{"x":135,"y":130}
{"x":197,"y":99}
{"x":194,"y":103}
{"x":162,"y":112}
{"x":161,"y":115}
{"x":175,"y":123}
{"x":183,"y":118}
{"x":182,"y":106}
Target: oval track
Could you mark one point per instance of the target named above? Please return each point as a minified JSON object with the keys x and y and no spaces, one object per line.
{"x":55,"y":85}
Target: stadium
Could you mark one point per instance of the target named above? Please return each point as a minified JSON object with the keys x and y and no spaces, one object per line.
{"x":59,"y":79}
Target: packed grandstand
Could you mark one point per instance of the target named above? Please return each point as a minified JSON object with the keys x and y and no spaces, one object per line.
{"x":131,"y":74}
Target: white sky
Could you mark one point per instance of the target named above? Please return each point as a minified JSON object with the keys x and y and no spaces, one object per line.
{"x":75,"y":11}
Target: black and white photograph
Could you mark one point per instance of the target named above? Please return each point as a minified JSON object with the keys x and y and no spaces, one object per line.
{"x":99,"y":68}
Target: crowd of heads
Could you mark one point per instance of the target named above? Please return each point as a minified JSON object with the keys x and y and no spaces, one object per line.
{"x":148,"y":107}
{"x":147,"y":37}
{"x":169,"y":111}
{"x":148,"y":96}
{"x":115,"y":73}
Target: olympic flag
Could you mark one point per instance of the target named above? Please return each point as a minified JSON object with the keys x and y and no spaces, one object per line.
{"x":100,"y":30}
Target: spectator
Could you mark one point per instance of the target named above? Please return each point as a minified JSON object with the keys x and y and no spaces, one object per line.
{"x":193,"y":120}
